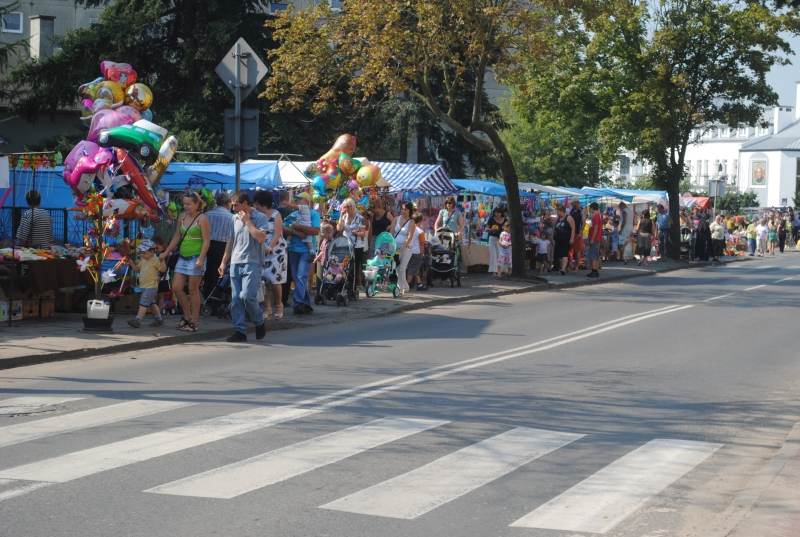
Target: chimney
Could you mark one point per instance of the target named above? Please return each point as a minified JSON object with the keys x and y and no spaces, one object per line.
{"x":42,"y":36}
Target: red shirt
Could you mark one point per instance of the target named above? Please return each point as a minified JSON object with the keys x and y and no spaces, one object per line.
{"x":596,"y":233}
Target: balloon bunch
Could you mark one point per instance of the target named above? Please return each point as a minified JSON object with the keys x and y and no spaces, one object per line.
{"x":34,"y":161}
{"x":123,"y":145}
{"x":338,"y":173}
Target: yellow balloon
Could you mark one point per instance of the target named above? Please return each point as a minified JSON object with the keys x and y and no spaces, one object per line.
{"x":368,"y":175}
{"x":111,"y":91}
{"x":139,"y":96}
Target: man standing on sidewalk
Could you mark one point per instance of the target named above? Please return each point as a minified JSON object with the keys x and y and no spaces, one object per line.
{"x":245,"y":251}
{"x":662,"y":221}
{"x":595,"y":240}
{"x":300,"y":255}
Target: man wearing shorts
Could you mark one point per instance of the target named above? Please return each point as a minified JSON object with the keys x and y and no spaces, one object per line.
{"x":595,"y":240}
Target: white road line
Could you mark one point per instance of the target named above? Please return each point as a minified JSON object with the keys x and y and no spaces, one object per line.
{"x":785,"y":279}
{"x":755,"y":287}
{"x":419,"y":491}
{"x":21,"y":490}
{"x":91,"y":461}
{"x":22,"y":405}
{"x":713,"y":298}
{"x":793,"y":267}
{"x":32,"y":430}
{"x":764,"y":267}
{"x":275,"y":466}
{"x":605,"y":499}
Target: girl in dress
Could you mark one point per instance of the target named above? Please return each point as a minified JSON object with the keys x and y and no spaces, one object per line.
{"x":504,"y":251}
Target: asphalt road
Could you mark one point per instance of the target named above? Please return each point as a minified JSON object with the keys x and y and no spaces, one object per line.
{"x":652,"y":407}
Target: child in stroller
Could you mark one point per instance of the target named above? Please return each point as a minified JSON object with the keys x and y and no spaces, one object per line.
{"x":333,"y":284}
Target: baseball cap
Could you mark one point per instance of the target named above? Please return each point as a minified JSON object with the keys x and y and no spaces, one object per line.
{"x":146,"y":245}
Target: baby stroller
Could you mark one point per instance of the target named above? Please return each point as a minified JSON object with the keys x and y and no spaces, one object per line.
{"x":218,"y":301}
{"x":333,"y":285}
{"x":381,"y":273}
{"x":686,"y":242}
{"x":444,"y":259}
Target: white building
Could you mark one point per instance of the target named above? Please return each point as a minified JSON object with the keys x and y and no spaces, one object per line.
{"x":764,"y":159}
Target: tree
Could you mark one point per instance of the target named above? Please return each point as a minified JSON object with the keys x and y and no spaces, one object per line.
{"x":734,"y":202}
{"x":378,"y":49}
{"x":677,"y":66}
{"x":554,"y":114}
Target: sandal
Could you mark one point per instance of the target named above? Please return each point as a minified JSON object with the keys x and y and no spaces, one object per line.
{"x":183,"y":323}
{"x":189,"y":327}
{"x":278,"y":313}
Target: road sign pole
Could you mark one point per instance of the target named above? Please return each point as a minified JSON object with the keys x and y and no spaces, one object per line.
{"x":237,"y":127}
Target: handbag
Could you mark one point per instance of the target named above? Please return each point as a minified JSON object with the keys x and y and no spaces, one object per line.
{"x":397,"y":256}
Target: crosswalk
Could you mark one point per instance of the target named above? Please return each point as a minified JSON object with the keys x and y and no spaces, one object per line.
{"x":597,"y":504}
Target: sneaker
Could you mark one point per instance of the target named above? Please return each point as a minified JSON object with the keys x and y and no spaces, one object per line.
{"x":236,"y":337}
{"x":261,"y":331}
{"x":157,"y":322}
{"x":135,"y":323}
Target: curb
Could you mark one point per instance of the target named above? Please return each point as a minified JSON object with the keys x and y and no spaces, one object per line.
{"x":212,"y":335}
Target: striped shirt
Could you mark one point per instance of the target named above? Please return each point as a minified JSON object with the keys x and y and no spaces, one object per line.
{"x":35,"y":228}
{"x":221,"y":222}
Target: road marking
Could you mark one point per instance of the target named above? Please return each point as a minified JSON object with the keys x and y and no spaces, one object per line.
{"x":25,"y":405}
{"x":419,"y":491}
{"x":20,"y":490}
{"x":32,"y":430}
{"x":92,"y":461}
{"x":793,"y":267}
{"x":600,"y":502}
{"x":785,"y":279}
{"x":95,"y":460}
{"x":285,"y":463}
{"x":755,"y":287}
{"x":713,"y":298}
{"x":764,"y":267}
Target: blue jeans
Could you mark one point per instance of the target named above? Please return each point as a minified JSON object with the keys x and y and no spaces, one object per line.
{"x":751,"y":245}
{"x":663,"y":241}
{"x":245,"y":279}
{"x":299,"y":266}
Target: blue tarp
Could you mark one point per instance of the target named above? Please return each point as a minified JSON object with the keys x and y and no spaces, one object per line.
{"x":263,"y":175}
{"x":48,"y":181}
{"x":487,"y":188}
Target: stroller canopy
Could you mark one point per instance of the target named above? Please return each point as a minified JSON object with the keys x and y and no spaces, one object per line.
{"x":385,"y":244}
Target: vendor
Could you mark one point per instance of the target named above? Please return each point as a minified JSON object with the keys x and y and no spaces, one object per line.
{"x":450,"y":218}
{"x":35,"y":228}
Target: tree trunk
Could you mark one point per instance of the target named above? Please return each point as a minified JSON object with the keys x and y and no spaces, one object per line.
{"x":672,"y":184}
{"x":518,"y":262}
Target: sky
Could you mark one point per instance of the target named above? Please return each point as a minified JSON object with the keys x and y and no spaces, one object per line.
{"x":783,"y":78}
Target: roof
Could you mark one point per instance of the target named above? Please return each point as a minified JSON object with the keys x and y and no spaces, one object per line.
{"x":430,"y":179}
{"x":487,"y":188}
{"x":198,"y":174}
{"x":786,"y":140}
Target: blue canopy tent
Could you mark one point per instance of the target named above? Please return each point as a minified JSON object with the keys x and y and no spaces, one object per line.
{"x":180,"y":175}
{"x":422,"y":179}
{"x":487,"y":188}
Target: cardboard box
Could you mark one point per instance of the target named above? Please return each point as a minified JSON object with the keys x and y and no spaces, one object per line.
{"x":30,"y":309}
{"x":48,"y":308}
{"x":15,"y":308}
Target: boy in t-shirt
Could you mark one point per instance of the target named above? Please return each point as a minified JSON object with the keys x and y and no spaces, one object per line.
{"x":149,"y":268}
{"x":543,"y":253}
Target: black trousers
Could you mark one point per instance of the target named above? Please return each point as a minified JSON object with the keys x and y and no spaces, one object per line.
{"x":216,"y":251}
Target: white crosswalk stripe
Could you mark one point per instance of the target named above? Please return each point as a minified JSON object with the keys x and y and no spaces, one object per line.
{"x":32,"y":430}
{"x":22,"y":405}
{"x":419,"y":491}
{"x":282,"y":464}
{"x":600,"y":502}
{"x":91,"y":461}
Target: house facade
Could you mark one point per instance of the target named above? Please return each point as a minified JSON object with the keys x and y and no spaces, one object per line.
{"x":763,"y":159}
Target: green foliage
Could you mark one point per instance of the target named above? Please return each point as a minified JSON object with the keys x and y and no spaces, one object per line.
{"x":734,"y":202}
{"x":675,"y":65}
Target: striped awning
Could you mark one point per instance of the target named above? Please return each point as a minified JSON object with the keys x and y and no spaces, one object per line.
{"x":428,"y":179}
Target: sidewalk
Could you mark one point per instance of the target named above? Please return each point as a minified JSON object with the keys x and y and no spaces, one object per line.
{"x":62,"y":338}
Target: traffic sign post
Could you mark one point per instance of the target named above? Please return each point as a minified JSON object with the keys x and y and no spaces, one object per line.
{"x":241,"y":70}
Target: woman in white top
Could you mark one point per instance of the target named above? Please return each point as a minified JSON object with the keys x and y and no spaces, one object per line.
{"x":353,"y":226}
{"x":717,"y":238}
{"x":404,"y":234}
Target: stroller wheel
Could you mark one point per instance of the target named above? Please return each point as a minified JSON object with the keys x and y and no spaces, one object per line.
{"x":371,"y":290}
{"x":396,"y":292}
{"x":339,"y":300}
{"x":318,"y":299}
{"x":205,"y":310}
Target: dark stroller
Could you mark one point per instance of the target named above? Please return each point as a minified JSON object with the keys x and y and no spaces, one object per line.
{"x":444,"y":259}
{"x":335,"y":273}
{"x":218,"y":301}
{"x":686,"y":243}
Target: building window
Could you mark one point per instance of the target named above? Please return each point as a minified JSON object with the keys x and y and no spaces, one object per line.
{"x":336,"y":5}
{"x":12,"y":22}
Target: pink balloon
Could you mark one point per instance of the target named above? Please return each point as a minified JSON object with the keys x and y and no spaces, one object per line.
{"x":82,"y":165}
{"x":107,"y":119}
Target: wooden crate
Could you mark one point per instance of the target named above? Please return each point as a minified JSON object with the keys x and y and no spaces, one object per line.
{"x":30,"y":308}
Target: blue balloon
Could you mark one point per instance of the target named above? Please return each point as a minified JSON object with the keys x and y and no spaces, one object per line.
{"x":318,"y":183}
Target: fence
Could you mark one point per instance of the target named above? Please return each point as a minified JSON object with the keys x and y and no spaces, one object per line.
{"x":68,"y":228}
